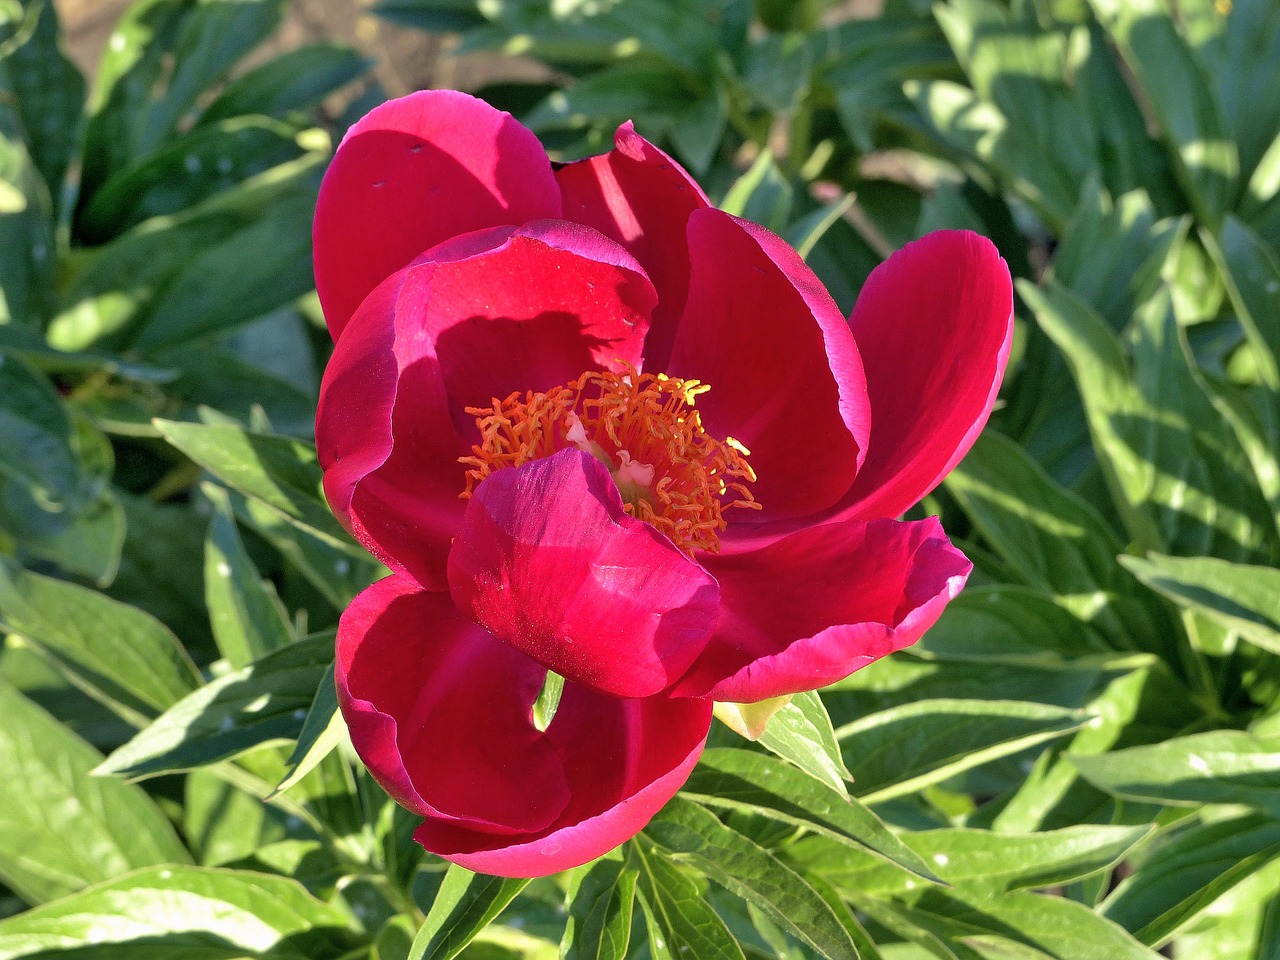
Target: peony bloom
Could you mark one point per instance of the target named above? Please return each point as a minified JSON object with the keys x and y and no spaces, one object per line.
{"x":596,"y":426}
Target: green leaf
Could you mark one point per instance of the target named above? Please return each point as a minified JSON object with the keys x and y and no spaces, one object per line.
{"x":548,"y":700}
{"x":1017,"y":69}
{"x":162,"y":56}
{"x":50,"y":94}
{"x":182,"y":911}
{"x":222,"y":823}
{"x":801,"y":732}
{"x":762,"y":194}
{"x":1250,"y":271}
{"x":1178,"y":477}
{"x":1241,"y":923}
{"x":1111,"y":251}
{"x":263,"y":703}
{"x":680,"y":920}
{"x":60,"y":828}
{"x":278,"y":472}
{"x":601,"y":898}
{"x":334,"y":572}
{"x":186,"y":170}
{"x":1062,"y":928}
{"x":26,"y":232}
{"x":296,"y":80}
{"x":993,"y":863}
{"x":322,"y":731}
{"x":170,"y":274}
{"x":35,"y":438}
{"x":897,"y":751}
{"x":465,"y":904}
{"x":1237,"y":596}
{"x":1013,"y":626}
{"x":247,"y":617}
{"x":759,"y":784}
{"x":1179,"y":880}
{"x":1222,"y":766}
{"x":692,"y":835}
{"x":1180,"y":94}
{"x":1055,"y":541}
{"x":116,"y":653}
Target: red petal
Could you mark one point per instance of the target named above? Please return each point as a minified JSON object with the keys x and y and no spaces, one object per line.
{"x":623,"y":759}
{"x":784,"y":372}
{"x":813,"y":607}
{"x":547,"y":560}
{"x":640,"y":197}
{"x":439,"y":712}
{"x":414,"y":172}
{"x":530,"y":308}
{"x":934,"y":324}
{"x":482,"y":315}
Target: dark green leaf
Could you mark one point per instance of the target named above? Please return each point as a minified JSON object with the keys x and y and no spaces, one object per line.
{"x":50,"y":97}
{"x":601,"y":898}
{"x":278,"y":472}
{"x":263,"y":703}
{"x":153,"y":268}
{"x":465,"y":904}
{"x":762,"y":194}
{"x":898,"y":751}
{"x":759,"y":784}
{"x":693,"y":836}
{"x":1178,"y":476}
{"x":1011,"y":625}
{"x":296,"y":80}
{"x":1237,"y":596}
{"x":995,"y":862}
{"x":162,"y":56}
{"x":116,"y":653}
{"x":681,"y":922}
{"x":1181,"y":878}
{"x":322,"y":731}
{"x":186,"y":170}
{"x":1055,"y":541}
{"x":1179,"y":93}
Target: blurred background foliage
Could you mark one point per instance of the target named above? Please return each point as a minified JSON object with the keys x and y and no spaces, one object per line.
{"x":1085,"y":750}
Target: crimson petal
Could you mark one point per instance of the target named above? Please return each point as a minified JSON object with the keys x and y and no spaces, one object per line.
{"x":811,"y":608}
{"x":481,"y":315}
{"x":408,"y":666}
{"x":784,"y":372}
{"x":548,"y":561}
{"x":412,"y":173}
{"x":622,"y":759}
{"x":934,"y":324}
{"x":440,"y":712}
{"x":638,"y":196}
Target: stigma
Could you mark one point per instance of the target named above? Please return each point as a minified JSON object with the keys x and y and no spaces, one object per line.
{"x":644,"y":428}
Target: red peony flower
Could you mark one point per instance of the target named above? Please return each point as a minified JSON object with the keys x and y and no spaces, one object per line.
{"x":596,"y":426}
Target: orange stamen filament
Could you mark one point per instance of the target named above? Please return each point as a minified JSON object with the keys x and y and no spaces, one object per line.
{"x":643,"y":427}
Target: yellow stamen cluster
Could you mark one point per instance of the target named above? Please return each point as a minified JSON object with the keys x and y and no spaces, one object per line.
{"x":644,"y":428}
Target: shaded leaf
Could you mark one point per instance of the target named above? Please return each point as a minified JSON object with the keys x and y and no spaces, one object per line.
{"x":116,"y":653}
{"x":259,"y":704}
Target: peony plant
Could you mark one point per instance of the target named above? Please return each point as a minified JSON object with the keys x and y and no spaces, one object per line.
{"x":603,"y":433}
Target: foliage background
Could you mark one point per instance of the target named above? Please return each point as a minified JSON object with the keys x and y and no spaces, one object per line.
{"x":1080,"y":761}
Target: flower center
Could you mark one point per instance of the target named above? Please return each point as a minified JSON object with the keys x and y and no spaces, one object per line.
{"x":643,"y":427}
